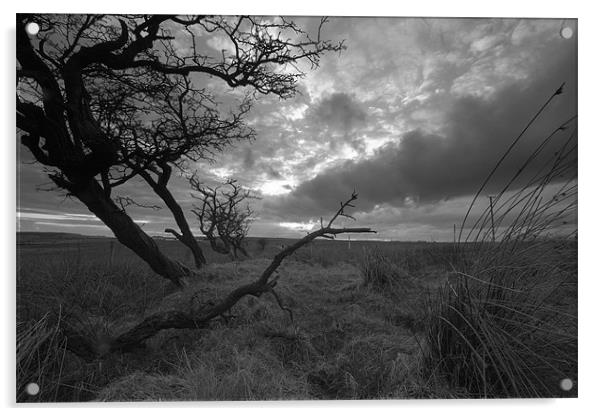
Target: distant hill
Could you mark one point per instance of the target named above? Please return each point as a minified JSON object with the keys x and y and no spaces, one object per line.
{"x":32,"y":237}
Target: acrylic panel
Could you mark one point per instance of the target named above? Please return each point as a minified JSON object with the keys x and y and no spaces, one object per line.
{"x":295,"y":208}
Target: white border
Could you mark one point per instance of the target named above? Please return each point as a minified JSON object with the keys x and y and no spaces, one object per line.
{"x":590,"y":153}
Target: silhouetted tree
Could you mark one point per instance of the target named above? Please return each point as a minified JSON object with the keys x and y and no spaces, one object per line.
{"x":102,"y":99}
{"x":223,"y":214}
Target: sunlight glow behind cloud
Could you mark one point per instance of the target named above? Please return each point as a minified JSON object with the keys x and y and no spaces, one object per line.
{"x":276,"y":187}
{"x":298,"y":226}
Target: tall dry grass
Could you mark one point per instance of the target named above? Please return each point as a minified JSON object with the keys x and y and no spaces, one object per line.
{"x":506,"y":324}
{"x":380,"y":272}
{"x":41,"y":351}
{"x":87,"y":297}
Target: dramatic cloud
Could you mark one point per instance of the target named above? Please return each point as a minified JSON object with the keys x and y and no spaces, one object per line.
{"x":413,"y":115}
{"x":427,"y":165}
{"x":338,"y":115}
{"x":339,"y":111}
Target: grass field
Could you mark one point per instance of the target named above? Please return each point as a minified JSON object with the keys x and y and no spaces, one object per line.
{"x":371,"y":320}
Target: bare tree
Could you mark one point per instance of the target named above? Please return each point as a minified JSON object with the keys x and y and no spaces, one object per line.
{"x":102,"y":99}
{"x":223,"y":214}
{"x":198,"y":315}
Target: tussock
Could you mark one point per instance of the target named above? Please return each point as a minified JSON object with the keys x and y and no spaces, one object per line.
{"x":506,"y":325}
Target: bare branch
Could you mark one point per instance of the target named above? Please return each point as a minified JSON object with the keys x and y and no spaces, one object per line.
{"x":126,"y":201}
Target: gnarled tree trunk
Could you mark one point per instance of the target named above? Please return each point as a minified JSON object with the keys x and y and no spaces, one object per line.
{"x":125,"y":229}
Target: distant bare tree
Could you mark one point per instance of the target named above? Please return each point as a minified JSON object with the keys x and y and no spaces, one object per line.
{"x":223,"y":215}
{"x":102,"y":99}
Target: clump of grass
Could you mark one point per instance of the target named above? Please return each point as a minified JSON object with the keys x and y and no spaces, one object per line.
{"x":45,"y":357}
{"x":230,"y":372}
{"x":66,"y":298}
{"x":41,"y":353}
{"x":506,"y":326}
{"x":292,"y":347}
{"x":368,"y":367}
{"x":381,"y":273}
{"x":502,"y":339}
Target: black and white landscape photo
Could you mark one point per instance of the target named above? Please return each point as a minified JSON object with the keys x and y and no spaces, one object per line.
{"x":242,"y":208}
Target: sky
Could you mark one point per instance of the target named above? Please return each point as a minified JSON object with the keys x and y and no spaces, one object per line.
{"x":412,"y":115}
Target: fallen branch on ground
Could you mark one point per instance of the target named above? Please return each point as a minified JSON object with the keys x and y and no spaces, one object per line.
{"x":199,"y":318}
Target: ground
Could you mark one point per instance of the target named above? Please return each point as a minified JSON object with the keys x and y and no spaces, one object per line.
{"x":347,"y":339}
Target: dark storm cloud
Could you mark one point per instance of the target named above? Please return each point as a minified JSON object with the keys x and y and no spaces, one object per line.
{"x":426,"y":167}
{"x":334,"y":119}
{"x":338,"y":111}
